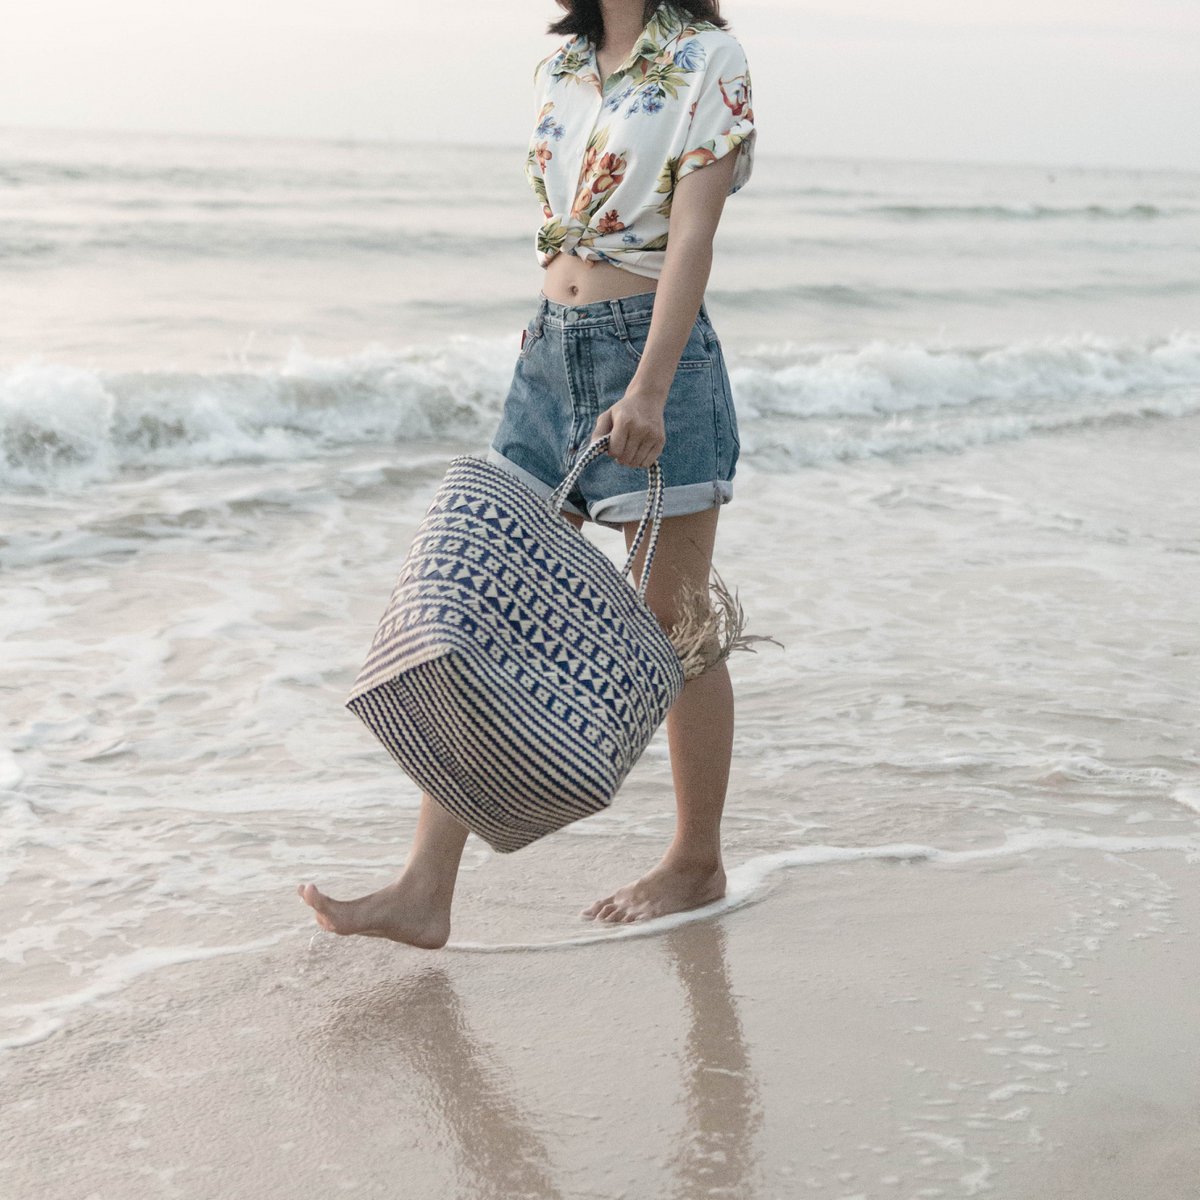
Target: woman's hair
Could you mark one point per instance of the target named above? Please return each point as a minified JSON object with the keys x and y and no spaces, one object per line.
{"x":584,"y":16}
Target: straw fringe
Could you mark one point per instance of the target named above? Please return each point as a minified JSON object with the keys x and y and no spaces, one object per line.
{"x":706,"y":634}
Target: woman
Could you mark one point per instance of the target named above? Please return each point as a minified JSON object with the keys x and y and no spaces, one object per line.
{"x":638,"y":99}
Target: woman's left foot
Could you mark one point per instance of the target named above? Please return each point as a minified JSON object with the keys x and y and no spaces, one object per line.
{"x":668,"y":888}
{"x":404,"y":911}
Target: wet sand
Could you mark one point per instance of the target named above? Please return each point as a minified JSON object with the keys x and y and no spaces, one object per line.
{"x":1024,"y":1026}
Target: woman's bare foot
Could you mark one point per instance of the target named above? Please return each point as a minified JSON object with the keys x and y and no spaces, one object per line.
{"x":670,"y":887}
{"x":405,"y":911}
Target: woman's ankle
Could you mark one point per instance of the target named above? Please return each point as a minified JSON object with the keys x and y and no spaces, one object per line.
{"x":427,"y":882}
{"x":692,"y":859}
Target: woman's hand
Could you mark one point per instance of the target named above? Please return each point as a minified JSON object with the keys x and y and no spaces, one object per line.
{"x":637,"y":428}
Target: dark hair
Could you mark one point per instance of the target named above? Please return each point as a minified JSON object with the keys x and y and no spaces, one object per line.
{"x":584,"y":16}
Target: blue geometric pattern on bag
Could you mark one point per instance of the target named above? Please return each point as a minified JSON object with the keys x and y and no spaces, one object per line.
{"x":516,"y":676}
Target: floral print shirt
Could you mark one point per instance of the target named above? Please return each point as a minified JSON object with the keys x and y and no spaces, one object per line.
{"x":606,"y":155}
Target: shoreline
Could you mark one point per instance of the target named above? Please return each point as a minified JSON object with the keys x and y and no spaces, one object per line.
{"x":960,"y":1027}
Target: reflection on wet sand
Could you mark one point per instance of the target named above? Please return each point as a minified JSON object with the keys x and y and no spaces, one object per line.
{"x":496,"y":1149}
{"x":716,"y":1151}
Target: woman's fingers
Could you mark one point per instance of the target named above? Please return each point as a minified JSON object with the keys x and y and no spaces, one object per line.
{"x":634,"y":456}
{"x":626,"y":445}
{"x":646,"y":455}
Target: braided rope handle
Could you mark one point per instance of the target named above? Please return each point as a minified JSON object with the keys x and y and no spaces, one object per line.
{"x":651,"y":515}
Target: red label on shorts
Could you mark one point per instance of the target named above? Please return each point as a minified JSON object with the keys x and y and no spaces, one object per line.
{"x":524,"y":335}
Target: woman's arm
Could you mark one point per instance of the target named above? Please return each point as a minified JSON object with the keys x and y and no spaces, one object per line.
{"x":636,"y":420}
{"x":695,"y":211}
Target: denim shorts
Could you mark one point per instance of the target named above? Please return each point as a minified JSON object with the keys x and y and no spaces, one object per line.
{"x":576,"y":361}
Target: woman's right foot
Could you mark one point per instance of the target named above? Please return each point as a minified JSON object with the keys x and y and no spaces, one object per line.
{"x":403,"y":911}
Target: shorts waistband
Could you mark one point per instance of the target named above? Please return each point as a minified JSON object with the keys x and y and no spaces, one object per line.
{"x":613,"y":313}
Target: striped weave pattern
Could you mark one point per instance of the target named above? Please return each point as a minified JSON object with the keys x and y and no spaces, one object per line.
{"x":516,"y":676}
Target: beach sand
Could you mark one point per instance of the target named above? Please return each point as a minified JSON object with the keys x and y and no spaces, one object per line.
{"x":1024,"y":1028}
{"x":959,"y":958}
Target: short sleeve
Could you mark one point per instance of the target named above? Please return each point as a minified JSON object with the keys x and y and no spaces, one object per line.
{"x":723,"y":119}
{"x":537,"y":83}
{"x":543,"y":80}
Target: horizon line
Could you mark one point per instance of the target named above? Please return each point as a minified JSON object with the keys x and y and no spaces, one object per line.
{"x":382,"y":140}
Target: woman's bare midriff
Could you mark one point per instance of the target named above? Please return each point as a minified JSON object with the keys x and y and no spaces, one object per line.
{"x":570,"y":279}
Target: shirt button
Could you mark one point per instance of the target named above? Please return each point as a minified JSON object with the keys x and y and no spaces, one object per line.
{"x":572,"y":317}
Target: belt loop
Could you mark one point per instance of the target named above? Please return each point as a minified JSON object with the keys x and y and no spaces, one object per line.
{"x":619,"y":319}
{"x":540,"y":315}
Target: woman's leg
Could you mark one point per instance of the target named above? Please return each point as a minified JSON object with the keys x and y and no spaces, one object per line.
{"x":699,"y":734}
{"x":416,"y":908}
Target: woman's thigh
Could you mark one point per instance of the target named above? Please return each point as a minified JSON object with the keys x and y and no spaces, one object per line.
{"x":682,"y":559}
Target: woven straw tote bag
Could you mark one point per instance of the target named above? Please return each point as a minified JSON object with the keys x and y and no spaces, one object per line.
{"x":517,"y":676}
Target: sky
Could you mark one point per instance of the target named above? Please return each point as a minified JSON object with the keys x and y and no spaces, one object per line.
{"x":1063,"y":82}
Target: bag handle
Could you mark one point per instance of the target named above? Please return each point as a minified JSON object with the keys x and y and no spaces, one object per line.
{"x":651,"y":514}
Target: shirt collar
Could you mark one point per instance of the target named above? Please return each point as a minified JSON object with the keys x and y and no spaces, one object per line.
{"x":579,"y":51}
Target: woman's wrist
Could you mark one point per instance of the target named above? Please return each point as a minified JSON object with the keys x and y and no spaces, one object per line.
{"x":646,"y":389}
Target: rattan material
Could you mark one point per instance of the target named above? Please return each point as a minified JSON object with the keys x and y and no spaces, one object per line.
{"x":517,"y":675}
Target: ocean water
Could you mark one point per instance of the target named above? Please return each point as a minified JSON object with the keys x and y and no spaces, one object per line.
{"x":174,"y":303}
{"x":232,"y":371}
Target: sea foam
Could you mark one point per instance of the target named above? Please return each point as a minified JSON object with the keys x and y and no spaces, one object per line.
{"x":748,"y":882}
